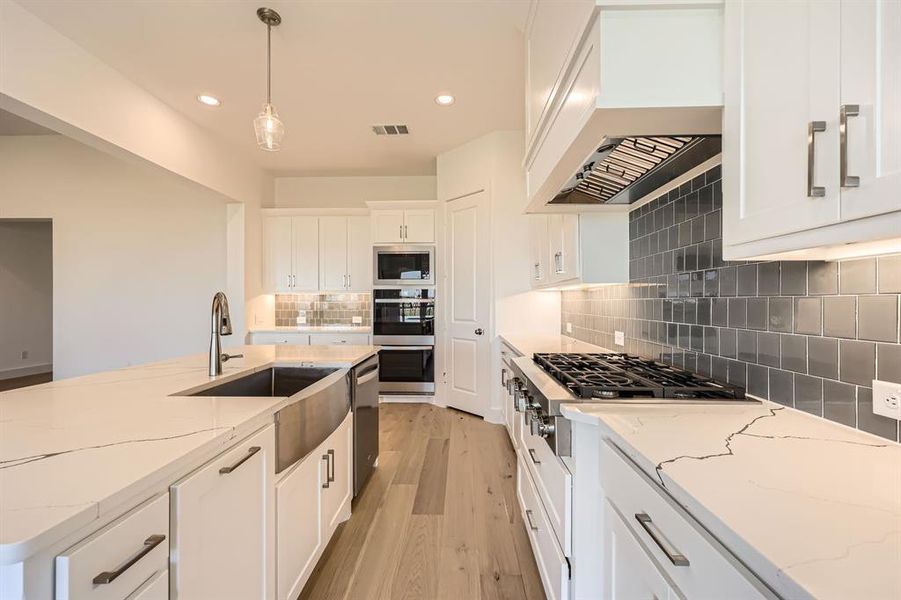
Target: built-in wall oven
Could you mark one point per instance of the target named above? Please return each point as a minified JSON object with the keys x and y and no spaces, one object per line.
{"x":403,"y":324}
{"x":403,"y":265}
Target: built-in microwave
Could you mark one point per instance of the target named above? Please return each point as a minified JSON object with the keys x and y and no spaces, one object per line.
{"x":403,"y":265}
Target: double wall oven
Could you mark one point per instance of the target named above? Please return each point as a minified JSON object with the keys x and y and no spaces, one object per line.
{"x":403,"y":324}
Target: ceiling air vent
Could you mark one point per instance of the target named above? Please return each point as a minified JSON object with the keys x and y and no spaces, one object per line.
{"x":390,"y":129}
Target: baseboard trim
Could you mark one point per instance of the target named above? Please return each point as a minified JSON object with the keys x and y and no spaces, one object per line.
{"x":24,"y":371}
{"x":406,"y":399}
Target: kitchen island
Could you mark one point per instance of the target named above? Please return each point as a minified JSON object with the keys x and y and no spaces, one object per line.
{"x":77,"y":453}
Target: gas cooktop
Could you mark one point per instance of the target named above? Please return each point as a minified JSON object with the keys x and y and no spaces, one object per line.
{"x":610,"y":376}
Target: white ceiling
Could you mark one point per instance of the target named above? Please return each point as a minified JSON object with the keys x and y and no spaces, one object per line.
{"x":11,"y":124}
{"x":339,"y":67}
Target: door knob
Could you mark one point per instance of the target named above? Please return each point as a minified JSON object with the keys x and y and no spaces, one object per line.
{"x":479,"y":331}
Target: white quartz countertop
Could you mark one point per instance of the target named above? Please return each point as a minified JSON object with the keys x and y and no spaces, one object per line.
{"x":313,"y":329}
{"x":73,"y":450}
{"x":814,"y":508}
{"x":528,"y":344}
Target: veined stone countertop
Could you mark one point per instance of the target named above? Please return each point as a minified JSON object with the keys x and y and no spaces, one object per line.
{"x":74,"y":450}
{"x":812,"y":507}
{"x":312,"y":329}
{"x":528,"y":344}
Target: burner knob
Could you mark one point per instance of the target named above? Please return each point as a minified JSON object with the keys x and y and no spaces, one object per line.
{"x":545,"y":428}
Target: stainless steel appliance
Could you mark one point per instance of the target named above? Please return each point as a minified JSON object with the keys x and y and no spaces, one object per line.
{"x":603,"y":378}
{"x":624,"y":170}
{"x":365,"y":404}
{"x":403,"y":265}
{"x":403,"y":324}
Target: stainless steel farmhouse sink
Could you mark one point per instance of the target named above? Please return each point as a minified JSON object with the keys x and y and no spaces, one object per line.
{"x":318,"y":401}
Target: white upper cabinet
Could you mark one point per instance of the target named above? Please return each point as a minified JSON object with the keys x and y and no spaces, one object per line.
{"x":572,"y":249}
{"x":290,"y":253}
{"x":333,"y":253}
{"x":538,"y":248}
{"x":812,"y":127}
{"x":359,"y":254}
{"x":403,"y":226}
{"x":563,"y":233}
{"x":305,"y":231}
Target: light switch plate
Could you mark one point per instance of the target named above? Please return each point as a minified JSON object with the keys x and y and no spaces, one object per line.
{"x":619,"y":338}
{"x":356,"y":320}
{"x":569,"y":328}
{"x":887,"y":399}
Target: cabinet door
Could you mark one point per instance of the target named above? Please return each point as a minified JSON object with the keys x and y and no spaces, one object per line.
{"x":871,"y":81}
{"x":332,"y":253}
{"x":630,"y":572}
{"x":781,"y":75}
{"x":305,"y":236}
{"x":298,"y":534}
{"x":419,"y":226}
{"x":277,"y":254}
{"x":337,"y":487}
{"x":330,"y":339}
{"x":538,"y":245}
{"x":563,"y":257}
{"x":387,"y":226}
{"x":155,"y":588}
{"x":359,"y":254}
{"x":223,"y":524}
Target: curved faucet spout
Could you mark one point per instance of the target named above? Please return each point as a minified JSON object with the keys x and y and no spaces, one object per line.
{"x":220,"y":324}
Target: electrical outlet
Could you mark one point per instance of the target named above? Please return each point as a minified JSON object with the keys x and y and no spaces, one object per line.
{"x":619,"y":338}
{"x":302,"y":320}
{"x":24,"y":354}
{"x":887,"y":399}
{"x":569,"y":328}
{"x":356,"y":320}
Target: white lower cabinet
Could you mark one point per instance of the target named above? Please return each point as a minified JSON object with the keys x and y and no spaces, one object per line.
{"x":223,"y":523}
{"x":312,"y":499}
{"x":327,"y":339}
{"x":116,"y":561}
{"x":553,"y":482}
{"x":155,"y":588}
{"x":263,"y":337}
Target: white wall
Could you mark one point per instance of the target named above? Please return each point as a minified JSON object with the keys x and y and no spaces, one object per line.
{"x":26,"y":312}
{"x":137,"y":255}
{"x":350,"y":192}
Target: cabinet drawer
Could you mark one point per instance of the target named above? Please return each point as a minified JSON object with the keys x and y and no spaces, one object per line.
{"x":552,"y":564}
{"x":301,"y":339}
{"x":325,"y":339}
{"x":126,"y":553}
{"x":553,"y":482}
{"x":155,"y":588}
{"x":698,"y":565}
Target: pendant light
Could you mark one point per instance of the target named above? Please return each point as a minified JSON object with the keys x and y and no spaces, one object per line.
{"x":268,"y":127}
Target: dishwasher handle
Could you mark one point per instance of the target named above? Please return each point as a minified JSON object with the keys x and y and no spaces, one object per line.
{"x":368,"y":376}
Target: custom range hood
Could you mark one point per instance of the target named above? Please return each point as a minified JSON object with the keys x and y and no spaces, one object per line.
{"x":624,"y":170}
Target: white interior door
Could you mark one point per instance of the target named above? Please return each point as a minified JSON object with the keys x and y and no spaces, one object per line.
{"x":782,"y":74}
{"x":305,"y":232}
{"x":332,"y":253}
{"x":468,"y":312}
{"x":277,"y":270}
{"x":359,"y":254}
{"x":871,"y":82}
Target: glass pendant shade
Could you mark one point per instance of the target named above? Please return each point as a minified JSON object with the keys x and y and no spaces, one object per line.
{"x":269,"y":129}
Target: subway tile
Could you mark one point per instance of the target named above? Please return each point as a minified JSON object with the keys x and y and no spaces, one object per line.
{"x":877,"y":318}
{"x":691,"y":258}
{"x":857,"y":276}
{"x":738,"y":312}
{"x":809,"y":394}
{"x":711,"y":283}
{"x":889,"y":268}
{"x":727,"y":281}
{"x":697,"y":338}
{"x":711,"y":340}
{"x":793,"y":278}
{"x":738,"y":373}
{"x":713,"y":225}
{"x":809,"y":316}
{"x":839,"y":402}
{"x":697,"y":230}
{"x":704,"y":366}
{"x":768,"y":349}
{"x":747,"y":280}
{"x":684,"y":233}
{"x":873,"y":423}
{"x":684,"y":336}
{"x":705,"y":255}
{"x":822,"y":278}
{"x":888,"y":362}
{"x":728,"y":343}
{"x":840,"y":316}
{"x":720,"y":312}
{"x":758,"y":381}
{"x":757,"y":313}
{"x":768,"y":279}
{"x":857,"y":362}
{"x":780,"y":315}
{"x":747,"y":345}
{"x":696,"y":288}
{"x":719,"y":368}
{"x":794,"y":352}
{"x":822,"y":357}
{"x":703,"y":311}
{"x":782,"y":387}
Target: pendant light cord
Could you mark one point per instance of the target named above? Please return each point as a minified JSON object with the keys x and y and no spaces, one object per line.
{"x":268,"y":64}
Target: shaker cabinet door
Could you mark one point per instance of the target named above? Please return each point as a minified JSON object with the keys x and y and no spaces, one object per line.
{"x":277,"y":254}
{"x":332,"y":253}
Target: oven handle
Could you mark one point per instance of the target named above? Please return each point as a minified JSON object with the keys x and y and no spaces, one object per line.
{"x":407,"y":347}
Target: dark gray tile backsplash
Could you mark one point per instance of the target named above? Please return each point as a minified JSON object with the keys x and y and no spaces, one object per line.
{"x":811,"y":335}
{"x":323,"y":308}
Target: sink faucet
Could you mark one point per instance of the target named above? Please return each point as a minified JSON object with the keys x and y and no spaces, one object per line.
{"x":221,"y":324}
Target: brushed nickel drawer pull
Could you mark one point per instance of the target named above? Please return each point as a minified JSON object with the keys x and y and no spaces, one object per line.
{"x":250,"y":452}
{"x":328,"y":480}
{"x":847,"y":110}
{"x":149,"y":544}
{"x":813,"y":191}
{"x":330,"y":475}
{"x":677,"y":558}
{"x":532,"y":456}
{"x":529,"y":519}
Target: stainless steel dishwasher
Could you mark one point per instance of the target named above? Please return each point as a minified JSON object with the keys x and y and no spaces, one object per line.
{"x":365,"y":404}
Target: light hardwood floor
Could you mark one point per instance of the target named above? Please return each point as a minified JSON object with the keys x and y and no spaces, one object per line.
{"x":439,"y":518}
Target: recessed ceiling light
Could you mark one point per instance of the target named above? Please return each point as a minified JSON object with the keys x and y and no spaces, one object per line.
{"x":444,"y":100}
{"x":208,"y":100}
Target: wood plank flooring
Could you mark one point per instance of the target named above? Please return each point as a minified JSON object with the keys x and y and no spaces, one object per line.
{"x":439,"y":518}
